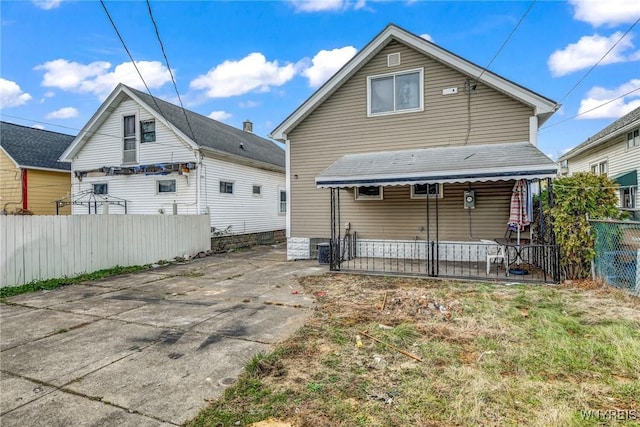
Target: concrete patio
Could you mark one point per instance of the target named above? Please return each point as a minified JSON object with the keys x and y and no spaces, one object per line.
{"x":145,"y":349}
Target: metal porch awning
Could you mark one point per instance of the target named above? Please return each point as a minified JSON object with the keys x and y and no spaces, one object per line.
{"x":435,"y":165}
{"x":629,"y":179}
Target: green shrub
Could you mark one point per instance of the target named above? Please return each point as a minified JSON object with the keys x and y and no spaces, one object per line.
{"x":578,"y":198}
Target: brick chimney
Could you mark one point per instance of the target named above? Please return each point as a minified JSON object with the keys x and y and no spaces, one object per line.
{"x":247,"y":126}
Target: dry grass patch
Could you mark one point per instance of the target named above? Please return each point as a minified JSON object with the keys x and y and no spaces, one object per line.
{"x":488,"y":355}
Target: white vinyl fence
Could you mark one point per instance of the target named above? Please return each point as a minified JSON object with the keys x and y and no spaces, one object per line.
{"x":47,"y":247}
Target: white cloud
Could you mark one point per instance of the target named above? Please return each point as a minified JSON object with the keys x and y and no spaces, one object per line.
{"x":427,"y":37}
{"x":63,"y":113}
{"x":613,"y":109}
{"x":588,"y":50}
{"x":360,"y":4}
{"x":38,"y":127}
{"x":48,"y":94}
{"x":97,"y":79}
{"x":320,"y":5}
{"x":11,"y":95}
{"x":251,"y":73}
{"x":47,"y":4}
{"x":609,"y":12}
{"x":219,"y":115}
{"x":326,"y":63}
{"x":248,"y":104}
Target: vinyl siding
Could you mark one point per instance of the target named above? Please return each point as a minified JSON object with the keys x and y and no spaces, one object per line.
{"x":620,"y":159}
{"x":340,"y":126}
{"x":105,"y":147}
{"x":243,"y":211}
{"x":10,"y":184}
{"x":44,"y":188}
{"x":140,"y":193}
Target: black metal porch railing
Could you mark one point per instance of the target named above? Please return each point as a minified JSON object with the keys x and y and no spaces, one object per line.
{"x":468,"y":260}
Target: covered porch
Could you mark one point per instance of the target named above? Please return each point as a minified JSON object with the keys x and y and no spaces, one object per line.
{"x":442,"y":212}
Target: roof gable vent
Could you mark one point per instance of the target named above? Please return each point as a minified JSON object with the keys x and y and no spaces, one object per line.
{"x":393,"y":59}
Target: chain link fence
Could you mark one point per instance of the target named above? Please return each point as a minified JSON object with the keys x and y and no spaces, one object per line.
{"x":617,"y":260}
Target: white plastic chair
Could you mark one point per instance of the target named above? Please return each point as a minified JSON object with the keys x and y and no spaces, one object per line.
{"x":494,"y":252}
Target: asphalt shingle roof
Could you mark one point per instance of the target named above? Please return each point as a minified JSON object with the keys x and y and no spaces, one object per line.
{"x":612,"y":128}
{"x":36,"y":148}
{"x":209,"y":133}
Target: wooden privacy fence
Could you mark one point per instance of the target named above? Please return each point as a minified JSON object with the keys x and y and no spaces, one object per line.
{"x":47,"y":247}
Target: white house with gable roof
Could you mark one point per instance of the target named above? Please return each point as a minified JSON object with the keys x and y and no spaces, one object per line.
{"x":141,"y":155}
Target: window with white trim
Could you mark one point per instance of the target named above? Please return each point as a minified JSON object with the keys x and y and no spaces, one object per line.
{"x":165,"y":186}
{"x":256,"y":190}
{"x":600,"y":168}
{"x":628,"y":197}
{"x":395,"y":92}
{"x":370,"y":192}
{"x":147,"y":131}
{"x":633,"y":138}
{"x":420,"y":191}
{"x":101,"y":188}
{"x":282,"y":209}
{"x":226,"y":187}
{"x":129,"y":154}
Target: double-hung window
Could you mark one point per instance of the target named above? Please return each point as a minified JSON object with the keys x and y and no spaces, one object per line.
{"x":283,"y":202}
{"x":129,"y":138}
{"x":395,"y":93}
{"x":633,"y":138}
{"x":600,"y":168}
{"x":148,"y":131}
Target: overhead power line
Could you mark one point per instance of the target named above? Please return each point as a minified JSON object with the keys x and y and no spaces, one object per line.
{"x":173,"y":80}
{"x":506,"y":40}
{"x":599,"y":61}
{"x":591,"y":109}
{"x":130,"y":56}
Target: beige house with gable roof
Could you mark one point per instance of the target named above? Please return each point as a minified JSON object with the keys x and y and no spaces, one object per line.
{"x":406,"y":118}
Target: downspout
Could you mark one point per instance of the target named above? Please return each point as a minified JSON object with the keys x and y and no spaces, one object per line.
{"x":198,"y":180}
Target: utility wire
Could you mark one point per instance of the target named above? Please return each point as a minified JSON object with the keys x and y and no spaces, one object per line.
{"x":507,"y":39}
{"x":131,"y":57}
{"x":173,"y":80}
{"x":592,"y":109}
{"x":599,"y":61}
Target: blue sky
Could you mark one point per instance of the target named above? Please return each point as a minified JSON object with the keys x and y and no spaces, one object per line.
{"x":259,"y":60}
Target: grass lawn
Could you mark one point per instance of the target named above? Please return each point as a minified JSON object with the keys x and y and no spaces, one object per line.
{"x":489,"y":354}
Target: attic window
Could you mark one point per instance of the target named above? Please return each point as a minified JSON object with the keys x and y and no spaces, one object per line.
{"x":393,"y":59}
{"x":395,"y":92}
{"x":148,"y":130}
